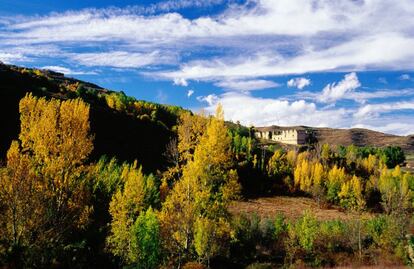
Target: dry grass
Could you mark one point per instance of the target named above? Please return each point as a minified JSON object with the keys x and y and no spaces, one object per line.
{"x":291,"y":207}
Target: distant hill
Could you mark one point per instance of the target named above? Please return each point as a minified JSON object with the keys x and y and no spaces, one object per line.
{"x":355,"y":136}
{"x":123,"y":126}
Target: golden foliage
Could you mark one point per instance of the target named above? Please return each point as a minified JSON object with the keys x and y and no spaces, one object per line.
{"x":43,"y":187}
{"x":124,"y":208}
{"x":205,"y":189}
{"x":395,"y":191}
{"x":351,"y":194}
{"x":190,"y":130}
{"x":21,"y":199}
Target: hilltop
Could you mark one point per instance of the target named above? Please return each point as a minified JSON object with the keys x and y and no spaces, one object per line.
{"x":124,"y":127}
{"x":353,"y":136}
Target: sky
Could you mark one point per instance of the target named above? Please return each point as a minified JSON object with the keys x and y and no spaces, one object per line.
{"x":322,"y":63}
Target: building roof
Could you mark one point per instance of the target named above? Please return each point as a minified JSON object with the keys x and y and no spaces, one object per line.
{"x":281,"y":128}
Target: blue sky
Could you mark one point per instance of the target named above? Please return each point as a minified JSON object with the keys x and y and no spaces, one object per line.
{"x":333,"y":63}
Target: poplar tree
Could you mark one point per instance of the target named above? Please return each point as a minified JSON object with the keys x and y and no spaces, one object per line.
{"x":206,"y":188}
{"x":46,"y":197}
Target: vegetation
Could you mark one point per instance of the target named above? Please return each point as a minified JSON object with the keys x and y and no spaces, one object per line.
{"x":63,"y":206}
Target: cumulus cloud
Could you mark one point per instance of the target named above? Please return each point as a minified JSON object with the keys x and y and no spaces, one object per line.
{"x":180,"y":82}
{"x":210,"y":99}
{"x":257,"y":111}
{"x":189,"y":93}
{"x":299,"y":83}
{"x":335,"y":91}
{"x":247,"y":85}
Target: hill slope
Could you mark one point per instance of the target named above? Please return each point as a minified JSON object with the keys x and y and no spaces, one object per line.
{"x":123,"y":127}
{"x":355,"y":136}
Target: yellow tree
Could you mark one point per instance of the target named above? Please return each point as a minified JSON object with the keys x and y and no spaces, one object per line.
{"x":125,"y":207}
{"x":44,"y":180}
{"x":56,"y":134}
{"x":318,"y":182}
{"x":395,"y":192}
{"x":190,"y":129}
{"x":336,"y":177}
{"x":206,"y":188}
{"x":278,"y":165}
{"x":303,"y":175}
{"x":21,"y":201}
{"x":326,"y":154}
{"x":351,"y":196}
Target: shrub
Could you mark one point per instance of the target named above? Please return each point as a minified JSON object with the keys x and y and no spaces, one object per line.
{"x":304,"y":231}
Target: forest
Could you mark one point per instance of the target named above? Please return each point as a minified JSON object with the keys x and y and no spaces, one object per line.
{"x":65,"y":204}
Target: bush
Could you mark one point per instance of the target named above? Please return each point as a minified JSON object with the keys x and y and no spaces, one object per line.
{"x":301,"y":237}
{"x":388,"y":232}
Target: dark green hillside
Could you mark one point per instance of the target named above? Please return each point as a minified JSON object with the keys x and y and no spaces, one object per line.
{"x":123,"y":126}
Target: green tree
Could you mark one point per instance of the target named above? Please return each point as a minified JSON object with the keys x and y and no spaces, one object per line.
{"x":146,"y":241}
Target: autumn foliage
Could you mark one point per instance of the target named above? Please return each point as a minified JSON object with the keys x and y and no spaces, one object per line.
{"x":61,"y":208}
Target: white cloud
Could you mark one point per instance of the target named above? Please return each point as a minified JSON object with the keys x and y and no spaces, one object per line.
{"x":172,"y":5}
{"x":247,"y":85}
{"x":374,"y":110}
{"x":8,"y":58}
{"x":189,"y":93}
{"x":210,"y":99}
{"x":405,"y":77}
{"x":299,"y":83}
{"x":379,"y":52}
{"x":121,"y":59}
{"x":390,"y":128}
{"x":256,"y":111}
{"x":360,"y":96}
{"x":66,"y":71}
{"x":296,"y":36}
{"x":335,"y":91}
{"x":180,"y":82}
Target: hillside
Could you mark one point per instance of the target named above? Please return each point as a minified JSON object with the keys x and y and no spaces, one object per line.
{"x":123,"y":127}
{"x":355,"y":136}
{"x":131,"y":129}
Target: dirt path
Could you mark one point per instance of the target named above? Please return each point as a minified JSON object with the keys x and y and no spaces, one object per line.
{"x":291,"y":207}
